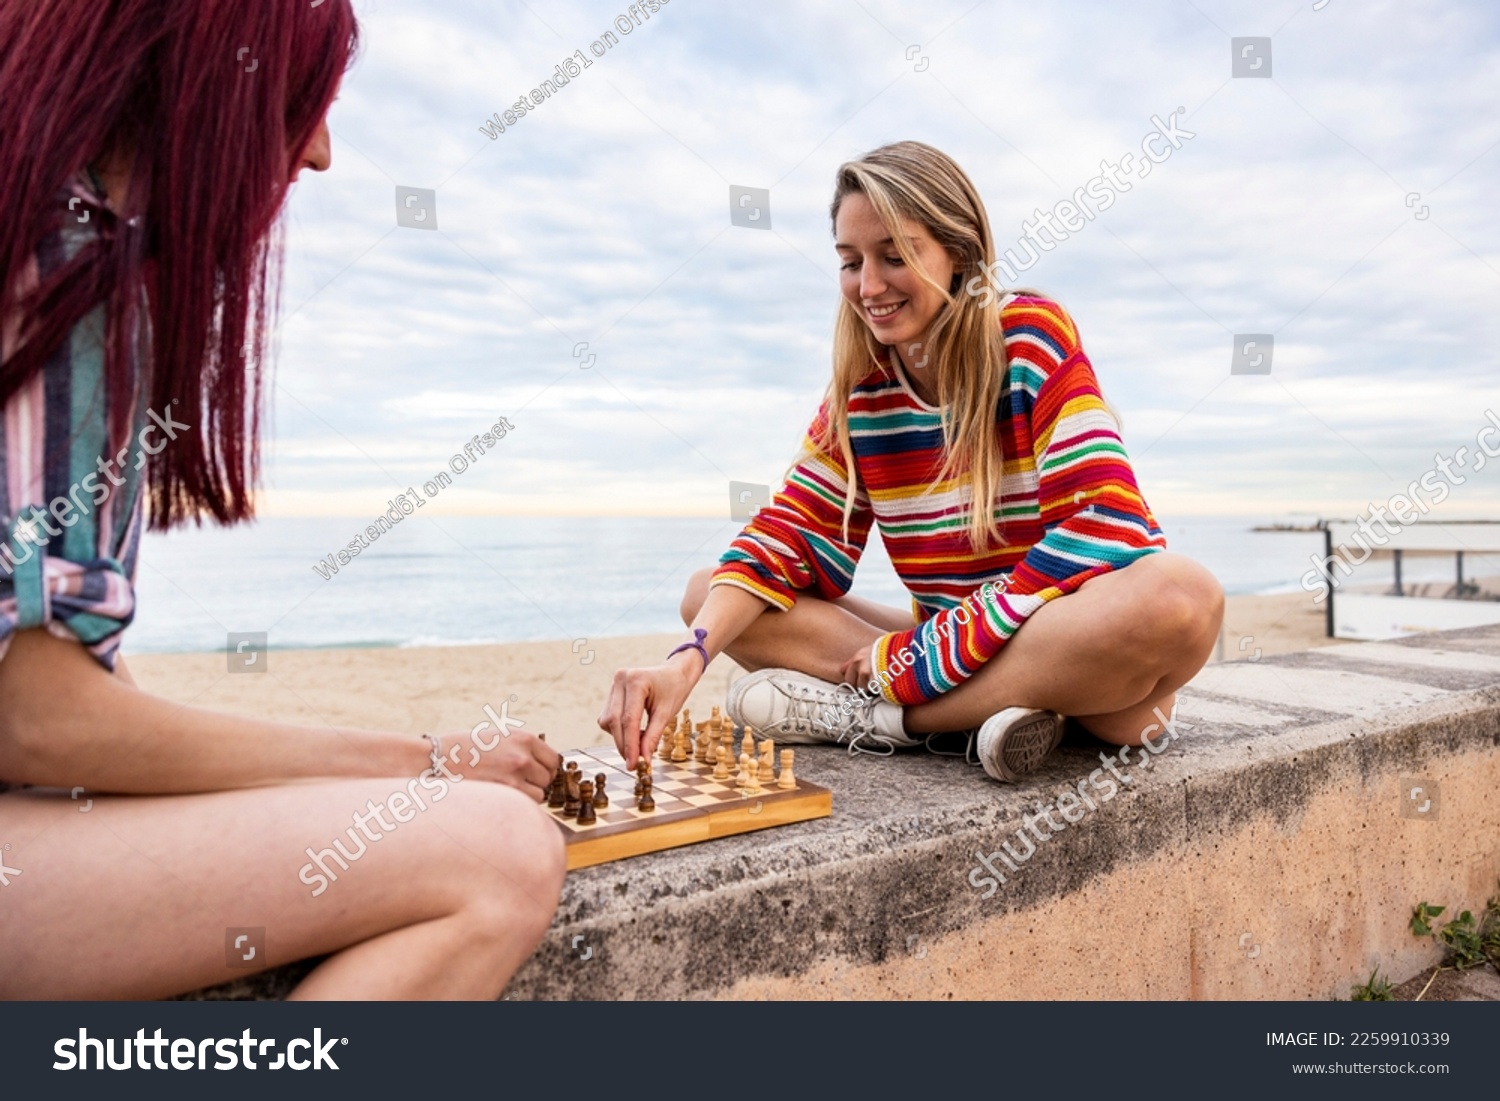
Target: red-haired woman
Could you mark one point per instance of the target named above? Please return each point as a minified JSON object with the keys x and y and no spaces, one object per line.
{"x":148,"y":147}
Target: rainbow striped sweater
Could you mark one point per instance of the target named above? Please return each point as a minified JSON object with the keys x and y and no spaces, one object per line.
{"x":1069,"y":509}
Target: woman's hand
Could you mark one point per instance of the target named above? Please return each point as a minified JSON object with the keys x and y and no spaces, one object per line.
{"x":512,"y":757}
{"x":658,"y":693}
{"x":857,"y":670}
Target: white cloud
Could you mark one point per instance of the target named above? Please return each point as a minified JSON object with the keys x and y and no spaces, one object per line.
{"x":603,"y":217}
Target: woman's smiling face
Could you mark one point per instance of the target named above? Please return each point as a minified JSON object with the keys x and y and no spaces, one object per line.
{"x":888,"y":295}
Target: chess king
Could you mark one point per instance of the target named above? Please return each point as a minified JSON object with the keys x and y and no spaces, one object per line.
{"x":949,"y":406}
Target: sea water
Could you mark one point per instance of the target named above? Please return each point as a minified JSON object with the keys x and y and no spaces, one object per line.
{"x":435,"y":581}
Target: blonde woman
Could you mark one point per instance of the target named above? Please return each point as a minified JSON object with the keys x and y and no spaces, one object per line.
{"x":1054,"y":597}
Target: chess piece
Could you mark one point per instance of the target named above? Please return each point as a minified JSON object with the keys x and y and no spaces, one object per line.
{"x":767,"y":749}
{"x":742,"y":779}
{"x":684,"y":744}
{"x":715,"y":733}
{"x":747,"y":744}
{"x":788,"y":781}
{"x":721,"y":765}
{"x":705,"y":742}
{"x":752,"y":769}
{"x":600,"y":799}
{"x":642,"y":772}
{"x":647,"y":800}
{"x":586,"y":815}
{"x":574,"y":797}
{"x":557,"y":793}
{"x":668,"y":739}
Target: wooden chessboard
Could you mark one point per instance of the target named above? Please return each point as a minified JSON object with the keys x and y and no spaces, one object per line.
{"x":691,"y":806}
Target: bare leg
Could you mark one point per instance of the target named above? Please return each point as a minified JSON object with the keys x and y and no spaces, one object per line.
{"x":815,"y":637}
{"x":132,"y":898}
{"x":1107,"y":655}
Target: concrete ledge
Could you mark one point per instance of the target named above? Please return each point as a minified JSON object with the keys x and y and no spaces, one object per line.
{"x":1271,"y":852}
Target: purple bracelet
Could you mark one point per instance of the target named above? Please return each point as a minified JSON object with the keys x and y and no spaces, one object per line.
{"x":699,"y":634}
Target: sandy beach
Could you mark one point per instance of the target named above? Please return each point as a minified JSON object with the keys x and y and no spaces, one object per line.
{"x":555,"y":690}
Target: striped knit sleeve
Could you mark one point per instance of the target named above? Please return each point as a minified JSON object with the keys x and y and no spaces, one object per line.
{"x":1095,"y":521}
{"x":797,"y":541}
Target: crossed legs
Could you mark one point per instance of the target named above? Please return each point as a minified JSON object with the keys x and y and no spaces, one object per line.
{"x":1107,"y":655}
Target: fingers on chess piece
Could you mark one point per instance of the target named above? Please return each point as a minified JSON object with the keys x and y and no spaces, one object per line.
{"x":788,"y":780}
{"x":600,"y":799}
{"x":586,"y":815}
{"x":647,"y":801}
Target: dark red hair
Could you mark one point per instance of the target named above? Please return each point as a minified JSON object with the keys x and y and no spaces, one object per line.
{"x":213,"y":150}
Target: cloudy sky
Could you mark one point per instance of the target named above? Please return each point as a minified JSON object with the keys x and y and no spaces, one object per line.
{"x":1343,"y":205}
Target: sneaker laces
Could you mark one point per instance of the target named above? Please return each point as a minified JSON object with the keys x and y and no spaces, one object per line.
{"x":971,"y":742}
{"x":856,"y":720}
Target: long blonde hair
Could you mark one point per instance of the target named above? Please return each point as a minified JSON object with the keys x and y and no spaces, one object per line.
{"x":964,"y":347}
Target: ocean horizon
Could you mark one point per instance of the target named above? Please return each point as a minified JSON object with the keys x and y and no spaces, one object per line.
{"x":475,"y":580}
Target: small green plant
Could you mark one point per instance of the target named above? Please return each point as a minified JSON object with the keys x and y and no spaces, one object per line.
{"x":1375,"y":989}
{"x":1489,"y":931}
{"x":1422,"y":916}
{"x":1461,"y":935}
{"x":1469,"y":942}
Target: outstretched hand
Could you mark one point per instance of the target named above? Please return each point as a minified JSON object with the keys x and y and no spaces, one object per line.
{"x":655,"y":693}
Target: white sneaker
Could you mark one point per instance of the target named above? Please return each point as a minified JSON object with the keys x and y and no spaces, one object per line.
{"x":796,"y":709}
{"x":1015,"y":741}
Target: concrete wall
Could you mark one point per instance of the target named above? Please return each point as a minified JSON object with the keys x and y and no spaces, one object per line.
{"x":1270,"y":851}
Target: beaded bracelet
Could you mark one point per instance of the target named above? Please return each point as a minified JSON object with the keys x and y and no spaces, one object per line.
{"x":699,"y":634}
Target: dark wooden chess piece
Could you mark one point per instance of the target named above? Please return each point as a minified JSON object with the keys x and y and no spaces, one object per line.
{"x":600,"y":799}
{"x":586,"y":815}
{"x":647,"y":801}
{"x":557,"y":793}
{"x":574,"y":797}
{"x":642,"y":770}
